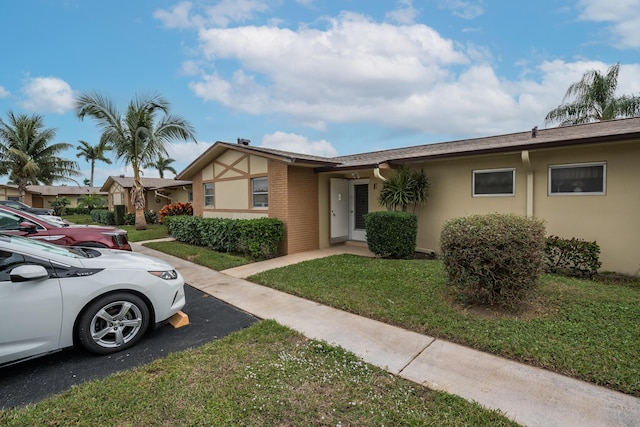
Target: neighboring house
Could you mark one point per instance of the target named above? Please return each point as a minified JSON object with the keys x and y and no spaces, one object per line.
{"x":40,"y":196}
{"x":581,"y":180}
{"x":158,"y":192}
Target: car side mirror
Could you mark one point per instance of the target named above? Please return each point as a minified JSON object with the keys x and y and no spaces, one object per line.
{"x":27,"y":227}
{"x":24,"y":273}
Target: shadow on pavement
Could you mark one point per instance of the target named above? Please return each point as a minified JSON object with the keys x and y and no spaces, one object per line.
{"x":37,"y":379}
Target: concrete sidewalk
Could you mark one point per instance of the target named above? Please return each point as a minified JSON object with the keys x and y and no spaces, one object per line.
{"x":531,"y":396}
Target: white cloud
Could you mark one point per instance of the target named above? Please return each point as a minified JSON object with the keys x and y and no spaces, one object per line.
{"x":221,"y":14}
{"x":185,"y":152}
{"x":298,"y":144}
{"x":464,"y":9}
{"x":4,"y":93}
{"x":405,"y":13}
{"x":47,"y":95}
{"x":623,"y":15}
{"x":405,"y":77}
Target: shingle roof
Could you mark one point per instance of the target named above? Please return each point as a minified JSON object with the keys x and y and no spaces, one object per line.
{"x":55,"y":190}
{"x":148,"y":183}
{"x":607,"y":131}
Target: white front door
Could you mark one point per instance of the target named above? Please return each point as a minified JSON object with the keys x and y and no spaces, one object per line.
{"x":358,"y":208}
{"x":339,"y":209}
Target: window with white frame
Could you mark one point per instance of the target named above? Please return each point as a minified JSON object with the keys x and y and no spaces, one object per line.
{"x":578,"y":179}
{"x":260,"y":192}
{"x":494,"y":182}
{"x":208,"y":194}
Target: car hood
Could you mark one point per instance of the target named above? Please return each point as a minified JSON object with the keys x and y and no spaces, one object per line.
{"x":115,"y":259}
{"x":98,"y":228}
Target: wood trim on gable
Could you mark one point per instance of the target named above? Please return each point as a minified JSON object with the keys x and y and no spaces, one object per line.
{"x":232,"y":167}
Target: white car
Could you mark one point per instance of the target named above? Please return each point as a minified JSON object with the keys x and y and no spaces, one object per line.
{"x":53,"y":297}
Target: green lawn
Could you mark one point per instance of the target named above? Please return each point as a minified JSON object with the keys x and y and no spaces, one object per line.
{"x":153,"y":231}
{"x":215,"y":260}
{"x":585,"y":329}
{"x":265,"y":375}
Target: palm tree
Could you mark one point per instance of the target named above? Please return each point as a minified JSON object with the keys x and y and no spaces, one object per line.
{"x":136,"y":137}
{"x":592,"y":99}
{"x":162,"y":165}
{"x":92,"y":153}
{"x":27,"y":156}
{"x":405,"y":187}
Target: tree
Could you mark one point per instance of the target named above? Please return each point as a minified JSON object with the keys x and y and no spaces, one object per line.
{"x":27,"y":156}
{"x":91,"y":153}
{"x":162,"y":165}
{"x":592,"y":99}
{"x":406,"y":187}
{"x":91,"y":201}
{"x":137,"y":137}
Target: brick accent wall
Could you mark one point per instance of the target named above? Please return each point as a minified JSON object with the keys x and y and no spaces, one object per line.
{"x":198,"y":197}
{"x":293,"y":198}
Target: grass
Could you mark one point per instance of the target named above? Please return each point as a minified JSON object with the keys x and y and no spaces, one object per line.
{"x":263,"y":375}
{"x":203,"y":256}
{"x":584,"y":329}
{"x":153,"y":231}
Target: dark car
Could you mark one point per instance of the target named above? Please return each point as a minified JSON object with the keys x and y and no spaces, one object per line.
{"x":26,"y":208}
{"x":24,"y":224}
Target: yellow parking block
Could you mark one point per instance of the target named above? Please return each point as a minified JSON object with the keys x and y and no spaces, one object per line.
{"x":179,"y":320}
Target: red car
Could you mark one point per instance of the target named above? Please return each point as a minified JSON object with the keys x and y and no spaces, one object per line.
{"x":22,"y":223}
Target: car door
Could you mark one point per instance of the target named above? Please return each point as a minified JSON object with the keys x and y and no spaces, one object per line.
{"x":11,"y":222}
{"x":30,"y":311}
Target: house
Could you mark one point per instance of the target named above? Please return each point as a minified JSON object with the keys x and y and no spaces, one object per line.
{"x":41,"y":196}
{"x":581,"y":180}
{"x":158,"y":192}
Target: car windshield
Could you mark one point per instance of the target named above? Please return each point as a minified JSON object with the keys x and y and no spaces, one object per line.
{"x":31,"y":244}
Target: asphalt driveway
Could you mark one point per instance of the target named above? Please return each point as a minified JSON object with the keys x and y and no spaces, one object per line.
{"x":35,"y":380}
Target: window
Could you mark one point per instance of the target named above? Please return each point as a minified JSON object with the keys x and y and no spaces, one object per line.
{"x":208,"y":194}
{"x":578,"y":179}
{"x":190,"y":197}
{"x":14,"y":198}
{"x":494,"y":182}
{"x":260,"y":192}
{"x":9,"y":261}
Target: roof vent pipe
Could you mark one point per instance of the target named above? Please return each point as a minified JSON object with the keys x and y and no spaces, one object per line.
{"x":242,"y":141}
{"x":534,"y":132}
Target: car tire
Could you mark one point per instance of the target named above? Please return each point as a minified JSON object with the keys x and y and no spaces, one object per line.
{"x":113,"y":322}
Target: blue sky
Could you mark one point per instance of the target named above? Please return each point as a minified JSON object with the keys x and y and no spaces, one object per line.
{"x":323,"y":77}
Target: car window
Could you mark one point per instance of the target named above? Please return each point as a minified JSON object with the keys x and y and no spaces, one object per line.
{"x":9,"y":261}
{"x":9,"y":221}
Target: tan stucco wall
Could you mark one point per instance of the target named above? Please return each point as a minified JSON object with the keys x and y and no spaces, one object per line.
{"x":611,"y":219}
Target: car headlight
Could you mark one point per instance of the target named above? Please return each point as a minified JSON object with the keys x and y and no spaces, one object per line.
{"x":166,"y":275}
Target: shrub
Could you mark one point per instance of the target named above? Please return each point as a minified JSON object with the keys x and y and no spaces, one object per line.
{"x":78,"y":211}
{"x":149,"y":216}
{"x":59,"y":205}
{"x":256,"y":238}
{"x":493,"y":259}
{"x":392,"y":234}
{"x":102,"y":216}
{"x":574,"y":257}
{"x":259,"y":238}
{"x":406,"y":187}
{"x":175,"y":209}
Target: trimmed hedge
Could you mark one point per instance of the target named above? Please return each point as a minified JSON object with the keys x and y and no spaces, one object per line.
{"x":574,"y":257}
{"x":102,"y":216}
{"x":256,"y":238}
{"x":493,"y":259}
{"x":392,"y":234}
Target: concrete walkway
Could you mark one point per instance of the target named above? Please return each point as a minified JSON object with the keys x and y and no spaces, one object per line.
{"x":528,"y":395}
